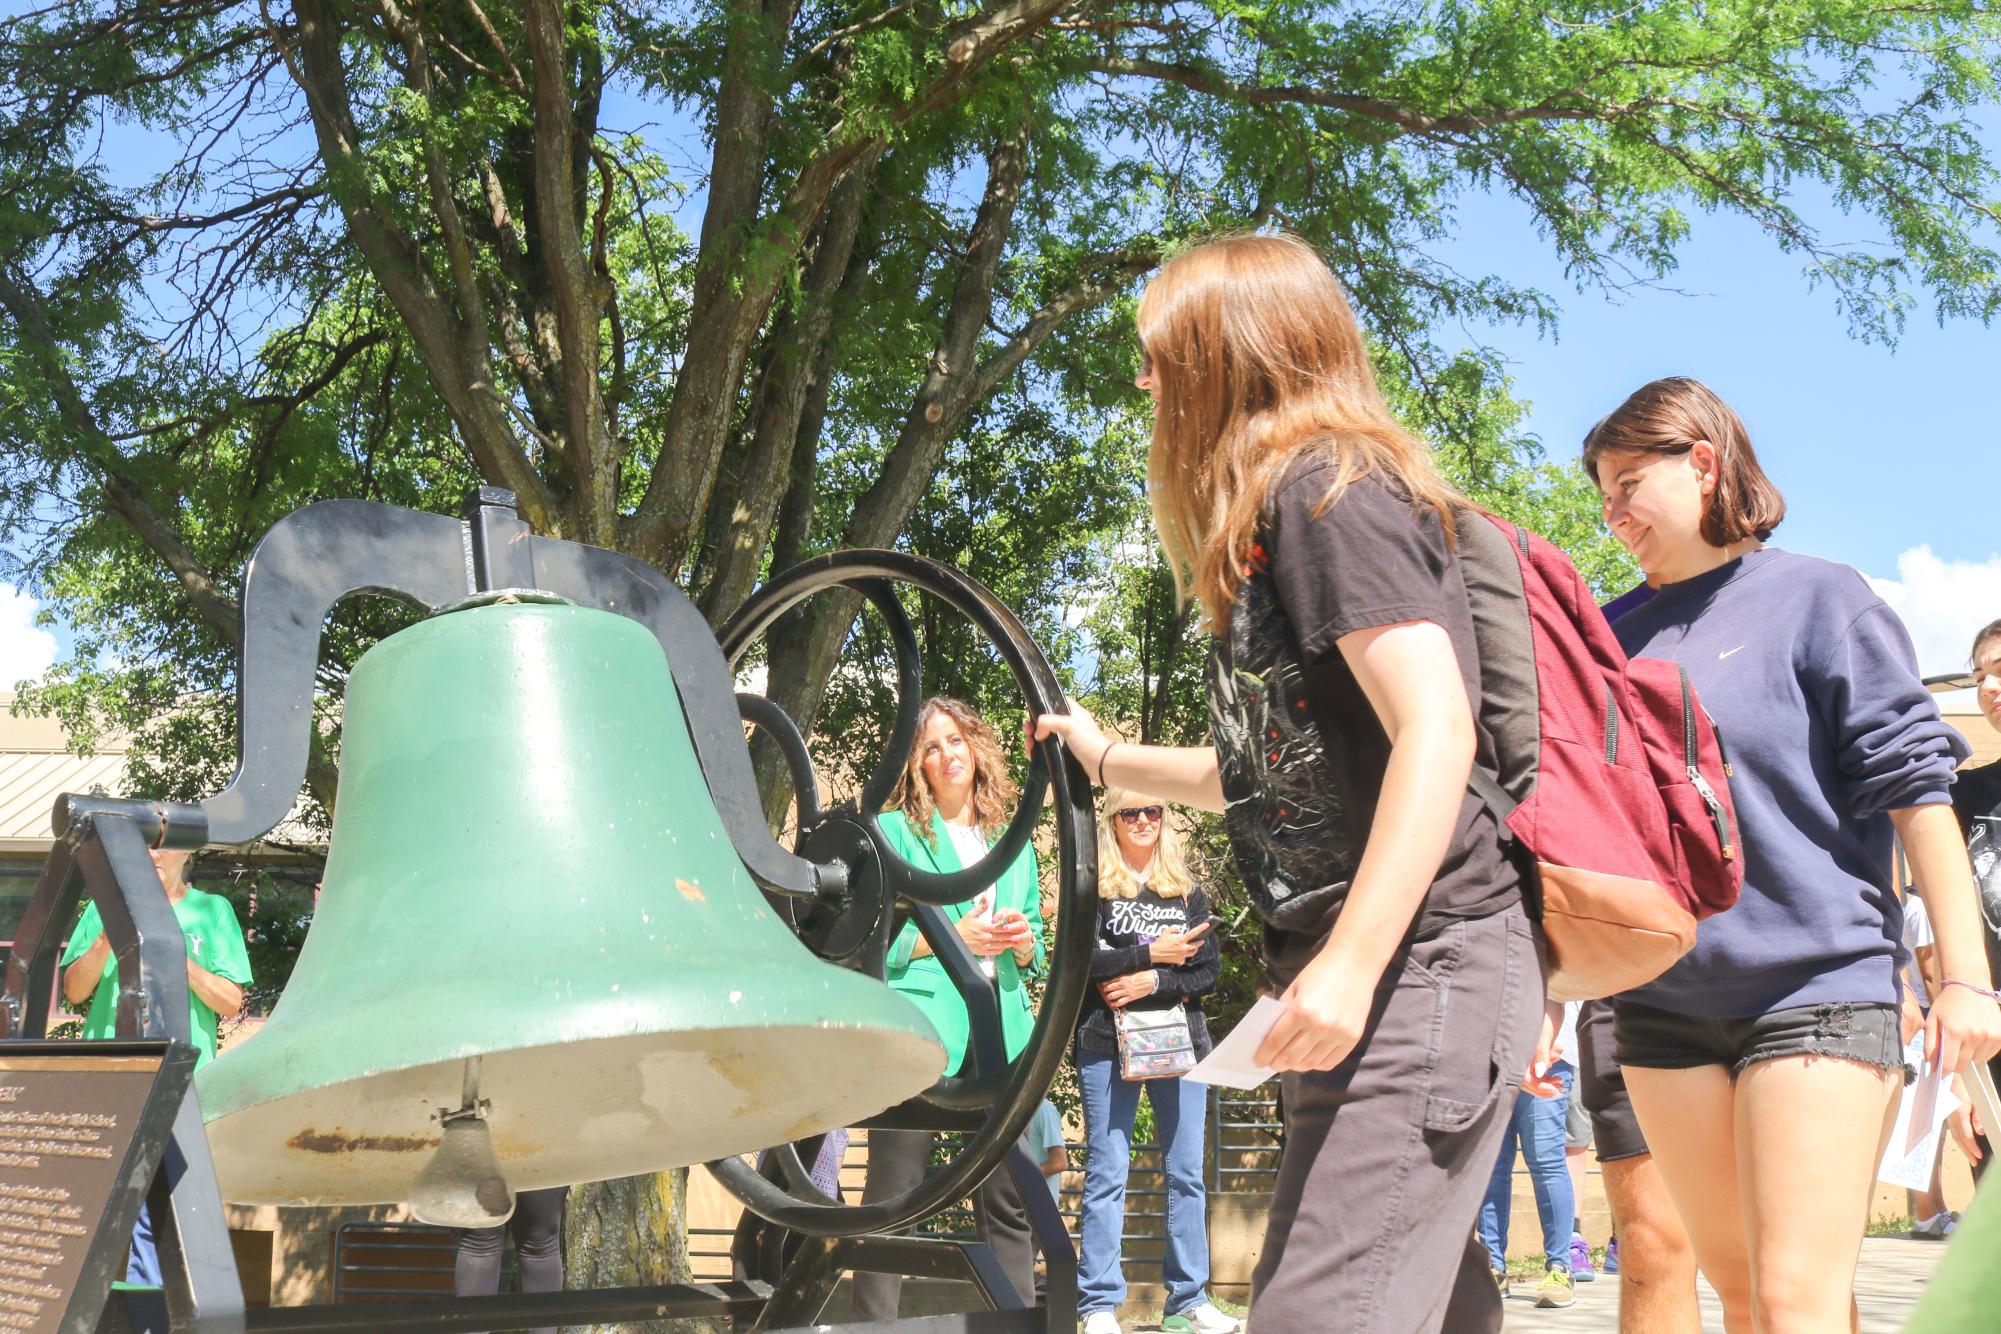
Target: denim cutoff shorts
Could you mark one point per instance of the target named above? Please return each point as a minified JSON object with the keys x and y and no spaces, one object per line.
{"x":1865,"y":1032}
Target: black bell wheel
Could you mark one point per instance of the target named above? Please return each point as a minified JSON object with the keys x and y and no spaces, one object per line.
{"x":998,"y":1097}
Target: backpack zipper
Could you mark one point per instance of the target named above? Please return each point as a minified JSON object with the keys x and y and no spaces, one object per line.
{"x":1611,"y":725}
{"x":1717,"y":815}
{"x":1522,"y":540}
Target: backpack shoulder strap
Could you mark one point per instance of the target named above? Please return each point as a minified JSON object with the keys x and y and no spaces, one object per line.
{"x":1487,"y":789}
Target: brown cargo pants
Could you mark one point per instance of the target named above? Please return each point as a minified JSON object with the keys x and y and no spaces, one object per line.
{"x":1388,"y":1155}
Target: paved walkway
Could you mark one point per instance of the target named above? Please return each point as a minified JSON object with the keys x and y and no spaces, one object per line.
{"x":1887,"y":1286}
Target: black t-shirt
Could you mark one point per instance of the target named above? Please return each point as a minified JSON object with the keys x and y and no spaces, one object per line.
{"x":1976,"y":800}
{"x":1301,"y":750}
{"x":1126,"y":927}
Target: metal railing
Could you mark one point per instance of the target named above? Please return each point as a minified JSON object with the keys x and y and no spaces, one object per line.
{"x":1245,"y":1136}
{"x":709,"y":1253}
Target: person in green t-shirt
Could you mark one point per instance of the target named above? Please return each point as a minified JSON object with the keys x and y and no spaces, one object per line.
{"x":218,"y":970}
{"x":218,"y":963}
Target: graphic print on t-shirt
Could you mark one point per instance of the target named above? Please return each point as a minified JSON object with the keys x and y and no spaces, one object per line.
{"x":1976,"y":800}
{"x":1983,"y":843}
{"x":1145,"y":921}
{"x":1272,"y":761}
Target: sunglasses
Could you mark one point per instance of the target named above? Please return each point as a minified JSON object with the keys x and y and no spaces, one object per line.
{"x":1134,"y":814}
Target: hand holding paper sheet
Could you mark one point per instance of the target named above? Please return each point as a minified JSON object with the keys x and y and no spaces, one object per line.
{"x":1232,"y":1064}
{"x":1914,"y":1139}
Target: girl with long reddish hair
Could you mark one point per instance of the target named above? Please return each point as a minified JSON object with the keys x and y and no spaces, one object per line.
{"x":1343,"y":681}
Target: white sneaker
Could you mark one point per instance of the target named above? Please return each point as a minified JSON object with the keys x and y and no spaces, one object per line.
{"x":1101,"y":1322}
{"x":1203,"y":1319}
{"x":1937,"y":1227}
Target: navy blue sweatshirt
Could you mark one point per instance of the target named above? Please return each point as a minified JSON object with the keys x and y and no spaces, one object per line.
{"x":1814,"y":686}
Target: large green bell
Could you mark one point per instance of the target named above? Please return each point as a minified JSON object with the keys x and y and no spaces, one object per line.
{"x":526,"y":868}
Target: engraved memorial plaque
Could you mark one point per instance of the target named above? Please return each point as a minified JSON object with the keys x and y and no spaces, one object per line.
{"x":74,"y":1165}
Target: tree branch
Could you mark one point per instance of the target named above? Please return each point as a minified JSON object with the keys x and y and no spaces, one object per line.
{"x":729,"y":305}
{"x":458,"y":253}
{"x":458,"y":369}
{"x":950,"y":385}
{"x":37,"y":341}
{"x":147,"y":224}
{"x":739,"y":523}
{"x":1404,"y":118}
{"x":677,"y":493}
{"x":1108,"y":275}
{"x":571,"y":284}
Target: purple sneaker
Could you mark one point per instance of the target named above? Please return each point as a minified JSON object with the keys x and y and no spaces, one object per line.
{"x":1580,"y":1259}
{"x":1612,"y":1256}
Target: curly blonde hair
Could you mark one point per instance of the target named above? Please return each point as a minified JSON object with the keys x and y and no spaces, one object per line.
{"x":994,"y":790}
{"x":1169,"y":878}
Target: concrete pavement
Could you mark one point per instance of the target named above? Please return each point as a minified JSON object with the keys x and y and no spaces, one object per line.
{"x":1888,"y":1283}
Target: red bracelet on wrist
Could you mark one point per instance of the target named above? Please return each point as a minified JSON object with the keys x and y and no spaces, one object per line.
{"x":1988,"y":992}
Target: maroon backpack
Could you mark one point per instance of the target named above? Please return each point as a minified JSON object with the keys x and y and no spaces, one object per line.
{"x":1610,"y":773}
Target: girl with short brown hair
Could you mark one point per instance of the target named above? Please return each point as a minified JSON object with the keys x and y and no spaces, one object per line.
{"x":1765,"y":1065}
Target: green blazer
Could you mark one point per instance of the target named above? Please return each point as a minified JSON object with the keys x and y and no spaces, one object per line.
{"x":924,"y":980}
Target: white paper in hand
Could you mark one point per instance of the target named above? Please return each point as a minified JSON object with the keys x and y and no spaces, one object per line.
{"x":1922,"y":1112}
{"x":1232,"y":1064}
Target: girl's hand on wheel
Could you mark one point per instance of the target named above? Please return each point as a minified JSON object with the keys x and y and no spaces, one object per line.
{"x":1079,"y":731}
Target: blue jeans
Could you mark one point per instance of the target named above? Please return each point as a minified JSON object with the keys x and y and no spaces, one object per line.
{"x":1538,"y":1125}
{"x":142,"y":1262}
{"x":1179,"y":1110}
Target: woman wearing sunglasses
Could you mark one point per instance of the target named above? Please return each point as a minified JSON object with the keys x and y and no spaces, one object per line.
{"x":1155,"y":961}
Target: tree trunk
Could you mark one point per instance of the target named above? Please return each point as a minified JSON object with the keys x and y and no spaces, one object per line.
{"x":801,"y":664}
{"x":753,"y":482}
{"x":627,"y":1232}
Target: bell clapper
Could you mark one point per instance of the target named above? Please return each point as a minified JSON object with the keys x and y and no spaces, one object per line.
{"x":462,"y":1185}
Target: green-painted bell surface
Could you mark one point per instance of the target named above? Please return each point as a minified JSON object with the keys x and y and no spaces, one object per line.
{"x":526,"y":867}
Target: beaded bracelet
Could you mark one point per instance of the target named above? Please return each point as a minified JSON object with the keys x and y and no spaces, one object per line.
{"x":1988,"y":992}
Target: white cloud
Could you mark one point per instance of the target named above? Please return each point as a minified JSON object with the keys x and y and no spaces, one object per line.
{"x":26,"y":650}
{"x":1943,"y":603}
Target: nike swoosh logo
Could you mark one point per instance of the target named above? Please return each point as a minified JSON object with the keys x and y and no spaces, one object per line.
{"x":1728,"y":651}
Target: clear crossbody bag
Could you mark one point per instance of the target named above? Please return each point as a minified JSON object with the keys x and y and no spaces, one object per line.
{"x":1155,"y":1044}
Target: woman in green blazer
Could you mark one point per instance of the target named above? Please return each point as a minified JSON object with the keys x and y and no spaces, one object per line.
{"x":953,"y":801}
